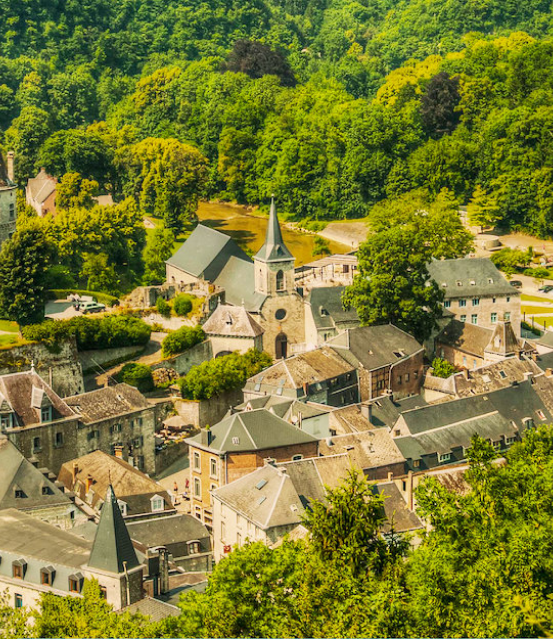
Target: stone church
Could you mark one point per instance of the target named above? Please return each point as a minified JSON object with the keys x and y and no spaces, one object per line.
{"x":265,"y":287}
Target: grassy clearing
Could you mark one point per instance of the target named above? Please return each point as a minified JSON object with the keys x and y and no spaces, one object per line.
{"x":536,"y":298}
{"x":536,"y":310}
{"x":9,"y":327}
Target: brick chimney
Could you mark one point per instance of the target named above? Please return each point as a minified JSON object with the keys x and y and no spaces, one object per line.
{"x":10,"y":166}
{"x":163,"y":570}
{"x":88,"y":482}
{"x":118,"y":452}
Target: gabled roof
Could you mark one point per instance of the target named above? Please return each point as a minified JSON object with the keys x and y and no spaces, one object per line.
{"x":237,"y":277}
{"x":107,"y":402}
{"x":19,"y":473}
{"x":503,"y":342}
{"x":232,"y":321}
{"x":167,"y":530}
{"x":493,"y":376}
{"x":469,"y":277}
{"x":112,"y":549}
{"x":397,"y":514}
{"x":467,"y":338}
{"x":375,"y":346}
{"x":205,"y":253}
{"x":306,"y":368}
{"x":327,"y":309}
{"x":368,"y":449}
{"x":252,"y":430}
{"x":130,"y":484}
{"x":274,"y":249}
{"x":26,"y":393}
{"x":41,"y":186}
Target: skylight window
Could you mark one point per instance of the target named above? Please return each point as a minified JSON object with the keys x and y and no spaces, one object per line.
{"x":502,"y":374}
{"x":260,"y":484}
{"x":236,"y":440}
{"x":262,"y":500}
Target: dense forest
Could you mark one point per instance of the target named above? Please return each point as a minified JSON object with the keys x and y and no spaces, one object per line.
{"x":370,"y":100}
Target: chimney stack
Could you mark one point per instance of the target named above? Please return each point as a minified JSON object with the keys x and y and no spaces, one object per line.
{"x":410,"y":503}
{"x":10,"y":166}
{"x":206,"y":436}
{"x":88,"y":482}
{"x":118,"y":452}
{"x":163,"y":570}
{"x":74,"y":473}
{"x":367,"y":412}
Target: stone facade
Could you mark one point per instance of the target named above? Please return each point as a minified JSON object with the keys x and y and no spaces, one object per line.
{"x":402,"y":379}
{"x":207,"y":412}
{"x":285,"y":336}
{"x":485,"y":311}
{"x":8,"y":212}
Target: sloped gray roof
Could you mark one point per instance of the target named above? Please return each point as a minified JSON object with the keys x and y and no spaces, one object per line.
{"x":19,"y":473}
{"x":274,"y":249}
{"x":375,"y":346}
{"x":237,"y":277}
{"x":468,"y":338}
{"x":107,"y":402}
{"x":112,"y":548}
{"x":252,"y":430}
{"x":327,"y":309}
{"x":395,"y":509}
{"x":162,"y":531}
{"x":232,"y":321}
{"x":205,"y":253}
{"x":458,"y":275}
{"x":156,"y":609}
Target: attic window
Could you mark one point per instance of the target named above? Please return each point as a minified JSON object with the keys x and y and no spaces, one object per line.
{"x":47,"y":575}
{"x":257,"y":387}
{"x":19,"y":567}
{"x":472,"y":283}
{"x":19,"y":494}
{"x":262,"y":500}
{"x":236,"y":441}
{"x":444,"y":284}
{"x":46,"y":490}
{"x":502,"y":374}
{"x":260,"y":484}
{"x":122,"y":507}
{"x":490,"y":280}
{"x":157,"y":503}
{"x":399,"y":354}
{"x":323,"y":312}
{"x":76,"y":582}
{"x":293,"y":508}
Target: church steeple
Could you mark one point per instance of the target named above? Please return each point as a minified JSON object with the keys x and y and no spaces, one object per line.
{"x":274,"y":249}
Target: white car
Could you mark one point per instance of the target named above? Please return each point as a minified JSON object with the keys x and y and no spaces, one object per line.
{"x":91,"y":307}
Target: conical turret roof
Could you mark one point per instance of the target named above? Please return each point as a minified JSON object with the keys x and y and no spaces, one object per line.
{"x":112,"y":545}
{"x":274,"y":249}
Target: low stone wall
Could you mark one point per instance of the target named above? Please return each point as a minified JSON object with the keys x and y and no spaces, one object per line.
{"x":209,"y":411}
{"x":59,"y":367}
{"x":183,"y":362}
{"x":169,"y":455}
{"x":91,"y":359}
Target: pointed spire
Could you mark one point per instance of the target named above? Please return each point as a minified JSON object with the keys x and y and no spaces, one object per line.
{"x":274,"y":249}
{"x":112,"y":546}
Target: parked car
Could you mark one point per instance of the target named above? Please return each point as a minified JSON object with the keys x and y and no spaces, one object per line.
{"x":546,"y":289}
{"x":516,"y":283}
{"x":91,"y":307}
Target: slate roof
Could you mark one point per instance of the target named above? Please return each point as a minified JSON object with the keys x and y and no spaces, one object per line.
{"x":154,"y":608}
{"x":310,"y":367}
{"x":163,"y":531}
{"x":468,"y":338}
{"x":205,"y":253}
{"x":368,"y":449}
{"x":274,"y":249}
{"x":252,"y":430}
{"x":112,"y":549}
{"x":493,"y":376}
{"x":375,"y":346}
{"x":41,"y":186}
{"x":327,"y":309}
{"x":131,"y":485}
{"x":488,"y":280}
{"x":25,"y":393}
{"x":395,"y":509}
{"x":105,"y":403}
{"x":237,"y":277}
{"x":29,"y":537}
{"x":503,"y":342}
{"x":18,"y":473}
{"x":232,"y":321}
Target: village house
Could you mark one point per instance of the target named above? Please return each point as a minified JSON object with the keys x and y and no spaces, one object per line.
{"x":38,"y":558}
{"x":387,"y":360}
{"x":321,"y":376}
{"x":32,"y":490}
{"x":325,"y":316}
{"x":471,"y":346}
{"x":139,"y":496}
{"x":8,"y":198}
{"x":232,"y":328}
{"x":236,"y":446}
{"x":50,"y":431}
{"x":438,"y":434}
{"x":476,"y":292}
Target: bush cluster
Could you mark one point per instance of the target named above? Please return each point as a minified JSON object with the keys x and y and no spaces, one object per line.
{"x":181,"y":340}
{"x":138,"y":375}
{"x":182,"y":304}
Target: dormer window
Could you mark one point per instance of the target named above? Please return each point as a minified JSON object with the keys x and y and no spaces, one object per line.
{"x":6,"y":420}
{"x":76,"y":582}
{"x":122,"y":507}
{"x":194,"y":547}
{"x":19,"y":568}
{"x":459,"y":283}
{"x":472,"y":283}
{"x":157,"y":504}
{"x":46,"y":414}
{"x":19,"y":493}
{"x":47,"y":575}
{"x":490,"y":280}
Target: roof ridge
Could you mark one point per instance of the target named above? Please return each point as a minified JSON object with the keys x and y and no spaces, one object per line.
{"x":275,"y":500}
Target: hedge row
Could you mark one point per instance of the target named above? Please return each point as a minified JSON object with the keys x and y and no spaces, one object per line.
{"x":92,"y":333}
{"x":181,"y":340}
{"x":63,"y":293}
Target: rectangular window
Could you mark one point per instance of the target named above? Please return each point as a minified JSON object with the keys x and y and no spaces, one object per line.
{"x":46,"y":414}
{"x":444,"y":457}
{"x":45,"y":578}
{"x":197,"y":488}
{"x":496,"y":445}
{"x":17,"y":571}
{"x":474,"y":319}
{"x":74,"y":585}
{"x":36,"y":445}
{"x":508,"y":299}
{"x":509,"y":441}
{"x":493,"y":318}
{"x":406,"y":377}
{"x":416,"y":463}
{"x":463,"y":318}
{"x":462,"y":303}
{"x":58,"y":440}
{"x":447,"y":303}
{"x":507,"y":316}
{"x":213,"y":468}
{"x":238,"y":539}
{"x":12,"y":211}
{"x":493,"y":300}
{"x":18,"y":600}
{"x":475,"y":301}
{"x":416,"y":374}
{"x":196,"y":461}
{"x":297,"y":457}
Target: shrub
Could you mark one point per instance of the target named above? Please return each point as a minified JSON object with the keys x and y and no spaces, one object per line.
{"x":183,"y":304}
{"x":138,"y":375}
{"x":442,"y":368}
{"x":92,"y":333}
{"x":533,"y":329}
{"x":163,"y":308}
{"x":222,"y":374}
{"x":539,"y":272}
{"x":181,"y":340}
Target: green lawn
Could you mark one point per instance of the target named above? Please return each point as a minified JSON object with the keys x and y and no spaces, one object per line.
{"x":535,"y":298}
{"x":9,"y":327}
{"x":531,"y":310}
{"x":8,"y":340}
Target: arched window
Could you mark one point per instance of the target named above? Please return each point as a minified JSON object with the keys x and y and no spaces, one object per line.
{"x":280,"y":281}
